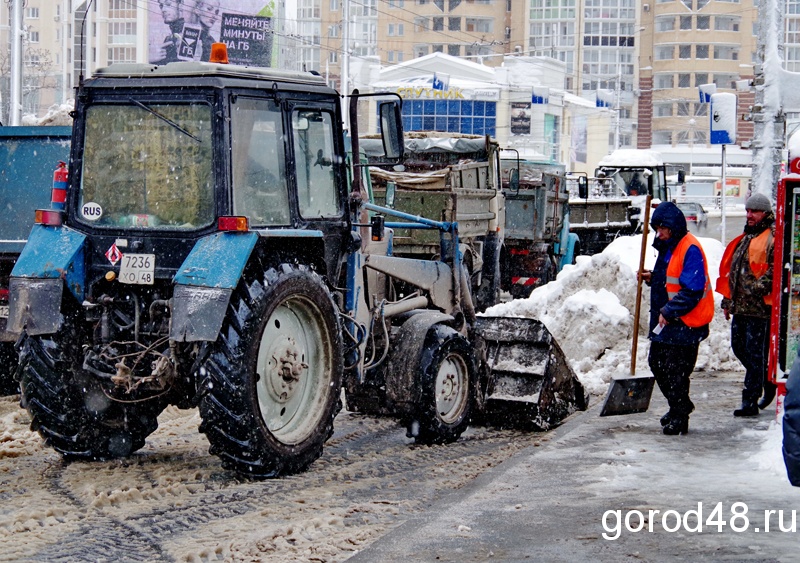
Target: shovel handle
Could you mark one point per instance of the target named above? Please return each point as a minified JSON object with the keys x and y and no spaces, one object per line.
{"x":638,"y":307}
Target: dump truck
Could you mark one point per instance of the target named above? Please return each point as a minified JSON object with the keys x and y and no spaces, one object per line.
{"x":537,"y":242}
{"x":28,"y":157}
{"x":609,"y":204}
{"x":513,"y":215}
{"x":455,"y":178}
{"x":226,"y":257}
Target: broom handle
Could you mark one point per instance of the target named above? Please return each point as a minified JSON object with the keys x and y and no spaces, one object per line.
{"x":638,"y":307}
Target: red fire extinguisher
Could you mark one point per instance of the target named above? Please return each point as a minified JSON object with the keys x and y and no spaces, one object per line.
{"x":58,"y":198}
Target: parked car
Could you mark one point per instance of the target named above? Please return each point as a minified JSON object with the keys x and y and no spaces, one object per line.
{"x":694,"y":213}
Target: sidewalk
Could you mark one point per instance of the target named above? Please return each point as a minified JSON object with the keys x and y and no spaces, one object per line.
{"x":548,"y":502}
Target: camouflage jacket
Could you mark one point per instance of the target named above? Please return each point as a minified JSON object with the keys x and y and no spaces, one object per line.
{"x":747,"y":291}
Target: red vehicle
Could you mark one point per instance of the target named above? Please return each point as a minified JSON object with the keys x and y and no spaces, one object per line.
{"x":785,"y":323}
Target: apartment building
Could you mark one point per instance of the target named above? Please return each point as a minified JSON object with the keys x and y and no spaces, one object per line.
{"x":396,"y":31}
{"x":693,"y":42}
{"x":46,"y":54}
{"x":598,"y":40}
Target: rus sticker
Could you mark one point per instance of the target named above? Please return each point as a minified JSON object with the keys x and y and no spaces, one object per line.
{"x":91,"y":211}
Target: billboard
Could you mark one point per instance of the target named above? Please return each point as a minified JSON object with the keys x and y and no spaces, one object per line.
{"x":183,"y":30}
{"x":520,"y":118}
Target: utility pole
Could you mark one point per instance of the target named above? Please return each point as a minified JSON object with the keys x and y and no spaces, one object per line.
{"x":345,"y":63}
{"x":768,"y":115}
{"x":15,"y":98}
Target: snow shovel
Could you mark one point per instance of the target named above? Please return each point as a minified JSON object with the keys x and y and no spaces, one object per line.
{"x":631,"y":394}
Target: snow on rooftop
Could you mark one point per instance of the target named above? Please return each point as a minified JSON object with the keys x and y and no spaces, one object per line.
{"x":632,"y":157}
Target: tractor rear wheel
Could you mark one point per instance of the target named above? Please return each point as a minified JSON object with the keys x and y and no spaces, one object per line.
{"x":70,"y":409}
{"x":271,"y":386}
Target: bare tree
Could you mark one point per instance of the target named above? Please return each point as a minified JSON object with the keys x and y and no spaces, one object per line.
{"x":38,"y":76}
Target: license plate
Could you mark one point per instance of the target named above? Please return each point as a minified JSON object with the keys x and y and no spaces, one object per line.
{"x":137,"y":269}
{"x":3,"y":311}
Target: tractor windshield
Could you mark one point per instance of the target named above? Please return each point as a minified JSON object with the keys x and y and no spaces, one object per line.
{"x":147,"y":165}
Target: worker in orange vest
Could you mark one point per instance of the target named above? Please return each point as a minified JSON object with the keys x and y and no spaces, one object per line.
{"x":681,"y":308}
{"x":745,"y":282}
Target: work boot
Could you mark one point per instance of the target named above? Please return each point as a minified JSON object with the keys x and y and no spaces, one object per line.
{"x":665,"y":419}
{"x":747,"y":409}
{"x":769,"y":394}
{"x":676,"y":426}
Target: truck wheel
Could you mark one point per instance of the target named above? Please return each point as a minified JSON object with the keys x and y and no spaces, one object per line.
{"x":447,"y":385}
{"x":8,"y":366}
{"x":271,"y":385}
{"x":69,"y":408}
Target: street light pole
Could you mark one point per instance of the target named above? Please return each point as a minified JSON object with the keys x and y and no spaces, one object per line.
{"x":15,"y":101}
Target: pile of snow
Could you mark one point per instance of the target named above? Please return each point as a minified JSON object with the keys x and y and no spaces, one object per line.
{"x":57,"y":114}
{"x":590,"y":308}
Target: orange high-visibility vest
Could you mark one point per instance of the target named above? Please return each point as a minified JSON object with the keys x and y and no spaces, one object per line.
{"x":704,"y":311}
{"x":757,"y":256}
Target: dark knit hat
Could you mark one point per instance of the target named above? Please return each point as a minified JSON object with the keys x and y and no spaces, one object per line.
{"x":758,"y":202}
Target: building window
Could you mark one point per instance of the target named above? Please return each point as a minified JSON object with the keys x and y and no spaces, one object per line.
{"x":333,"y":57}
{"x":454,"y":24}
{"x":33,"y":36}
{"x":334,"y":6}
{"x":480,"y":25}
{"x":665,"y":23}
{"x":701,"y":51}
{"x":662,"y":137}
{"x":664,"y":81}
{"x":333,"y":31}
{"x":454,"y":50}
{"x":665,"y":52}
{"x":726,"y":23}
{"x":663,"y":109}
{"x":683,"y":108}
{"x":390,"y":56}
{"x":422,"y":24}
{"x":726,"y":80}
{"x":472,"y":117}
{"x":726,"y":53}
{"x":437,"y":48}
{"x":686,"y":22}
{"x":421,"y":50}
{"x":438,"y":24}
{"x":701,"y":109}
{"x":703,"y":22}
{"x":685,"y":52}
{"x":32,"y":13}
{"x":684,"y":80}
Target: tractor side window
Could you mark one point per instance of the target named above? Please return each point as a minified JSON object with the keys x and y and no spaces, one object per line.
{"x":258,"y":162}
{"x":317,"y":193}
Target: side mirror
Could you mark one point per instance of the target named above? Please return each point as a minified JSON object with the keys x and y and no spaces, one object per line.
{"x":681,"y":177}
{"x":583,"y":187}
{"x":513,"y":180}
{"x":391,"y":129}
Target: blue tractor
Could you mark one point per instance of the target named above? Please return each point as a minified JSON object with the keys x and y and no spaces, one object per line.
{"x":218,"y":251}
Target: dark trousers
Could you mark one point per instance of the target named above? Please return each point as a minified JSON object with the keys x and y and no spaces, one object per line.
{"x":750,"y":343}
{"x":672,"y":364}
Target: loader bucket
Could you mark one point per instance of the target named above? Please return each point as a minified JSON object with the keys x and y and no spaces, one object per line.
{"x":526,"y":381}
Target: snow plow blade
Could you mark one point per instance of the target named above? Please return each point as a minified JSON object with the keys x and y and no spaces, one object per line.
{"x":527,"y":381}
